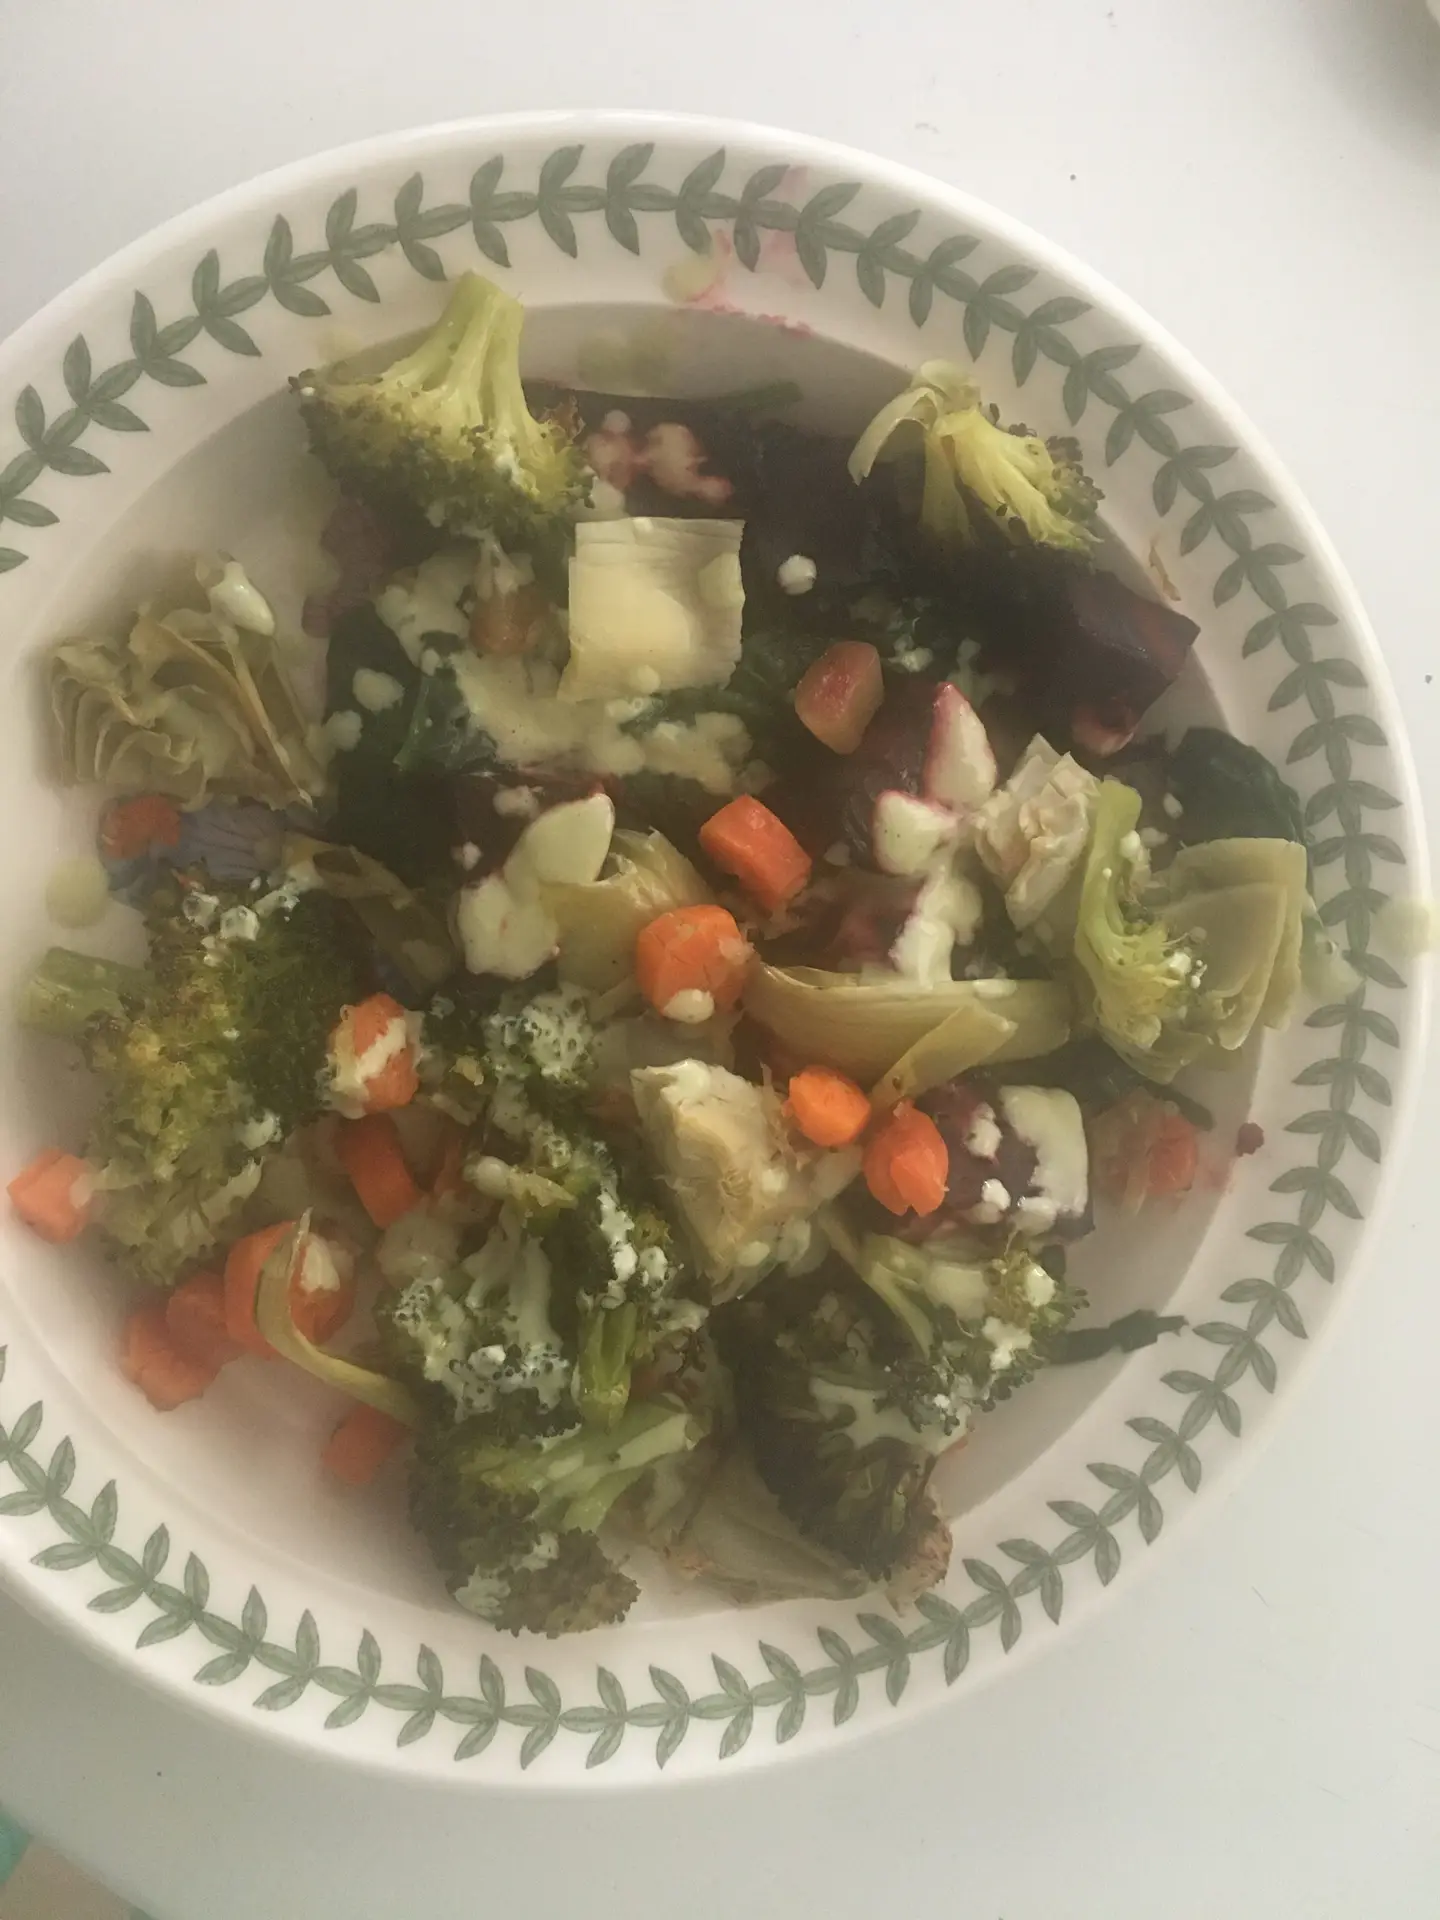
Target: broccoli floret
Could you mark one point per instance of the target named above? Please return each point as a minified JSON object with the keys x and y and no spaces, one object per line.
{"x":485,"y":1337}
{"x":611,"y":1245}
{"x":975,"y":1325}
{"x":206,"y":1062}
{"x":445,"y":429}
{"x":541,"y":1052}
{"x":619,"y":1256}
{"x":452,"y":1059}
{"x":1028,"y":487}
{"x":833,"y":1408}
{"x":513,"y":1526}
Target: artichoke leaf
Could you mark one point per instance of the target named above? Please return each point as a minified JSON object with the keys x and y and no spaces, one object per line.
{"x":866,"y":1027}
{"x":186,"y":705}
{"x":599,"y":922}
{"x":1283,"y":863}
{"x":966,"y":1038}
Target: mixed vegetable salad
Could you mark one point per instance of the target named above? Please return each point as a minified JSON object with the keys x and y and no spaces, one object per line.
{"x":650,"y":1040}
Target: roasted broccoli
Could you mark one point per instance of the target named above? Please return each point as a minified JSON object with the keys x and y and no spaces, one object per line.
{"x":610,"y":1243}
{"x":485,"y":1337}
{"x":978,"y":1326}
{"x":622,"y":1271}
{"x":445,"y":429}
{"x":206,"y":1060}
{"x":513,"y":1525}
{"x":1030,"y":488}
{"x":833,"y":1406}
{"x":451,"y":1063}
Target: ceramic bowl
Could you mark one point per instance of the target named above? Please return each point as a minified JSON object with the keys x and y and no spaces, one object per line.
{"x":145,"y":415}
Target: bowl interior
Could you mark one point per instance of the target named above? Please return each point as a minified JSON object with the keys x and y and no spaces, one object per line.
{"x":247,"y":1455}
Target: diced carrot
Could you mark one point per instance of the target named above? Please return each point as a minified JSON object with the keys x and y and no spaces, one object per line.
{"x":691,"y":950}
{"x":827,"y":1108}
{"x":746,"y":839}
{"x":375,"y":1055}
{"x":1174,"y":1155}
{"x":322,"y":1287}
{"x":148,"y":1356}
{"x":129,"y":828}
{"x":53,"y":1195}
{"x":907,"y":1164}
{"x":243,"y":1266}
{"x":841,"y":694}
{"x":371,"y":1154}
{"x":195,"y":1321}
{"x":361,"y":1444}
{"x":1143,"y":1149}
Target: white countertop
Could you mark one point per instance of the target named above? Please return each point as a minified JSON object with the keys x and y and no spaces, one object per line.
{"x":1253,"y":1730}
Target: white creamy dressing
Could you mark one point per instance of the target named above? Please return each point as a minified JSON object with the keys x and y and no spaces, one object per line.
{"x":504,"y":925}
{"x":909,"y":833}
{"x":260,"y":1131}
{"x":351,"y":1072}
{"x":341,"y":732}
{"x":323,"y":1268}
{"x":376,"y":692}
{"x":1005,"y":1342}
{"x":873,"y":1422}
{"x":959,"y":764}
{"x":690,"y":1006}
{"x":983,"y":1136}
{"x":236,"y":598}
{"x":948,"y":909}
{"x":1049,"y":1121}
{"x":797,"y":574}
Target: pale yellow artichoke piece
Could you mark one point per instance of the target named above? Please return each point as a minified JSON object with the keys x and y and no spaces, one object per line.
{"x":187,"y":705}
{"x":599,"y":922}
{"x":866,"y":1027}
{"x":1220,"y":863}
{"x":745,"y":1187}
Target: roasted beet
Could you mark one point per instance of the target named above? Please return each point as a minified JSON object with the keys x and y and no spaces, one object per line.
{"x":671,"y":458}
{"x":804,"y":503}
{"x":982,"y":1147}
{"x":1090,"y":654}
{"x":849,"y":919}
{"x":824,"y":799}
{"x":367,"y":547}
{"x":1104,"y":662}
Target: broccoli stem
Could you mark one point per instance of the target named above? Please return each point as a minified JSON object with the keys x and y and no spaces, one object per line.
{"x":606,"y":1347}
{"x":588,"y":1472}
{"x":69,"y":990}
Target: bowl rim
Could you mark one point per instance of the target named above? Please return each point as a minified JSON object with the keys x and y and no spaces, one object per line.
{"x":586,"y":125}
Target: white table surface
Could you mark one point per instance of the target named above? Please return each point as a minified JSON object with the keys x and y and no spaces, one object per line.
{"x":1254,"y":1729}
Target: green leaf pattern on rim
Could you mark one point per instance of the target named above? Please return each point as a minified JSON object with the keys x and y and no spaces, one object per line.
{"x":878,"y":1652}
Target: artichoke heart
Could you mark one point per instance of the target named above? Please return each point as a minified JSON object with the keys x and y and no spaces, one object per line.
{"x":188,"y":704}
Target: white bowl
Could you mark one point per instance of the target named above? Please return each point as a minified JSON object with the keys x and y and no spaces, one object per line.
{"x":204,"y":1550}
